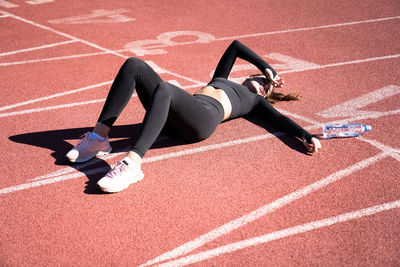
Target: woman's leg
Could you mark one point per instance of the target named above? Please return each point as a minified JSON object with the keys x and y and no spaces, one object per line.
{"x":134,"y":73}
{"x":188,"y":116}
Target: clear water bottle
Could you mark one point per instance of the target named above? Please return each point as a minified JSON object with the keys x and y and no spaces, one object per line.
{"x":345,"y":130}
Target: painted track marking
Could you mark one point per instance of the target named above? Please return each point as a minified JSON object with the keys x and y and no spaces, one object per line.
{"x":291,"y":231}
{"x":54,"y":95}
{"x":310,"y":28}
{"x":6,"y":64}
{"x":351,"y":107}
{"x":75,"y":39}
{"x":197,"y":83}
{"x":157,"y":45}
{"x":68,"y":105}
{"x":62,"y":175}
{"x":339,"y":215}
{"x":117,"y":52}
{"x":269,"y":208}
{"x":52,"y":179}
{"x":60,"y":33}
{"x":36,"y":48}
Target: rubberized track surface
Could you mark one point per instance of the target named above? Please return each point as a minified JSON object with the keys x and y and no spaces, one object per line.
{"x":246,"y":196}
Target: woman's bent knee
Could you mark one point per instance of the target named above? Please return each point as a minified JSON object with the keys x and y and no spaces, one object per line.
{"x":133,"y":62}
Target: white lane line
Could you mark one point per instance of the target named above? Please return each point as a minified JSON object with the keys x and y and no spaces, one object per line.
{"x":393,"y":152}
{"x":36,"y":48}
{"x":68,"y":105}
{"x":269,"y":208}
{"x":297,"y":116}
{"x":317,"y":125}
{"x":51,"y":181}
{"x":339,"y":64}
{"x":61,"y":33}
{"x":368,"y":116}
{"x":82,"y":41}
{"x":55,"y":95}
{"x":6,"y":4}
{"x":309,"y":28}
{"x":5,"y":64}
{"x":183,"y":77}
{"x":352,"y":108}
{"x":49,"y":178}
{"x":194,"y":42}
{"x":291,"y":231}
{"x":197,"y":83}
{"x":56,"y":107}
{"x":298,"y":29}
{"x":336,"y":25}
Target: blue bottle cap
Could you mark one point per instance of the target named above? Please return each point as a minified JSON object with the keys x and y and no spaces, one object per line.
{"x":368,"y":128}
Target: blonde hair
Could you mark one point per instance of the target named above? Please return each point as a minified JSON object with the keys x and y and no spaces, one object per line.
{"x":276,"y":97}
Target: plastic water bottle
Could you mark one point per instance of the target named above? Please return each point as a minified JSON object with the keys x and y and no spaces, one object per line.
{"x":345,"y":130}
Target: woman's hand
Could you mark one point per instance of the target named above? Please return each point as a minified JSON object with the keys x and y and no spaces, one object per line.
{"x":276,"y":81}
{"x":314,"y":146}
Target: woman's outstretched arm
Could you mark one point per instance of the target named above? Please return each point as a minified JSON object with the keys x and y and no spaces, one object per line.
{"x":239,"y":50}
{"x":264,"y":109}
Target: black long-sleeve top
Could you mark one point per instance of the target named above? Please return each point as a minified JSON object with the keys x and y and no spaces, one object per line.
{"x":242,"y":99}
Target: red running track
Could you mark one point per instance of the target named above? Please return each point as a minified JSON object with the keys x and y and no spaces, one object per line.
{"x":246,"y":196}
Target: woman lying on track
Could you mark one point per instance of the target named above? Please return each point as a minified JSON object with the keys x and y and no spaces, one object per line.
{"x":192,"y":117}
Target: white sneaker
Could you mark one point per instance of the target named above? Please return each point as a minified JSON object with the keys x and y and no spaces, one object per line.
{"x":88,"y":148}
{"x":124,"y":173}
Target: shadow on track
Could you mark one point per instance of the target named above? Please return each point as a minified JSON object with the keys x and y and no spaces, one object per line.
{"x":57,"y":141}
{"x":292,"y":142}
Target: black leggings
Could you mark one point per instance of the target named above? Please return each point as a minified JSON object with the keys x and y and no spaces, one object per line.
{"x":192,"y":117}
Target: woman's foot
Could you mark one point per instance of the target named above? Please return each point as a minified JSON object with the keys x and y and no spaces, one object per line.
{"x":123,"y":174}
{"x":89,"y":147}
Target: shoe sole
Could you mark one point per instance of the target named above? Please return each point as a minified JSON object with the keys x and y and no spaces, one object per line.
{"x":116,"y":189}
{"x":100,"y":153}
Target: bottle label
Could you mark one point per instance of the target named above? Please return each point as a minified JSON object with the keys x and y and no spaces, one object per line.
{"x":344,"y":130}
